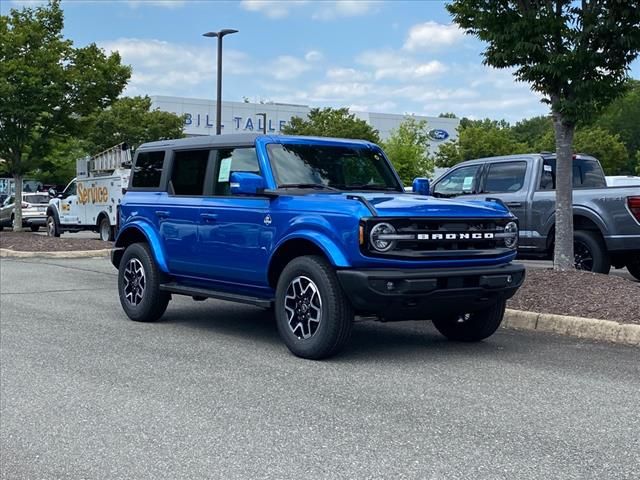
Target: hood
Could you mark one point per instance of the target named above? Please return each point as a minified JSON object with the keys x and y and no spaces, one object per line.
{"x":409,"y":205}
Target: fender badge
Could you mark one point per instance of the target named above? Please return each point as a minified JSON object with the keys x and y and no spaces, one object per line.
{"x":267,"y":220}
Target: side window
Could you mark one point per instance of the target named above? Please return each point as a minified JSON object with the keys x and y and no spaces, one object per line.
{"x":70,"y":190}
{"x":505,"y":177}
{"x":459,"y":182}
{"x":188,"y":172}
{"x":234,"y":160}
{"x":148,"y":170}
{"x":586,"y":174}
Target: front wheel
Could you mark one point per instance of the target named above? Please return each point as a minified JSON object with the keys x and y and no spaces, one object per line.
{"x":52,"y":227}
{"x":590,"y":252}
{"x":472,"y":326}
{"x":139,"y":280}
{"x":313,"y":315}
{"x":633,"y":265}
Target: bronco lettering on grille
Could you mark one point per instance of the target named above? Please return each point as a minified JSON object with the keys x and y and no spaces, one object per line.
{"x":456,"y":236}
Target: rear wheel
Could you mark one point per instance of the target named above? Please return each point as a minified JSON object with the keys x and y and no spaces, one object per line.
{"x":472,"y":326}
{"x":633,"y":265}
{"x":590,"y":252}
{"x":106,"y":231}
{"x":313,"y":315}
{"x":52,"y":227}
{"x":139,"y":280}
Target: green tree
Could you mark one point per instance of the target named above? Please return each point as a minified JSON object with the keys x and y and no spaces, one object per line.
{"x":638,"y":162}
{"x":623,"y":117}
{"x":59,"y":164}
{"x":447,"y":115}
{"x":46,"y":85}
{"x":130,"y":120}
{"x":576,"y":55}
{"x":532,"y":130}
{"x":332,"y":122}
{"x":408,"y":149}
{"x":478,"y":140}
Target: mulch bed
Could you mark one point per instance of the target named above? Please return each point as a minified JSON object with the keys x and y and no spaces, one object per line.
{"x":30,"y":242}
{"x":580,"y":294}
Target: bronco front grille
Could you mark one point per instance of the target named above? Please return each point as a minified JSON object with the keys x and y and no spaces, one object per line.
{"x":420,"y":238}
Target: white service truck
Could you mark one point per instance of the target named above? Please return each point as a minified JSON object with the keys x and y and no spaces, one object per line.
{"x":91,"y":200}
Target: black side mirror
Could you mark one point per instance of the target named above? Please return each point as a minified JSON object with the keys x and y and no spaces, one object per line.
{"x":52,"y":192}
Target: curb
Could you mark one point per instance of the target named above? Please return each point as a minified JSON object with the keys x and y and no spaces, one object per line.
{"x":589,"y":328}
{"x":7,"y":253}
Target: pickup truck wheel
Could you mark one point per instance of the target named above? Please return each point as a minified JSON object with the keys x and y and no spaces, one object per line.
{"x":313,"y":315}
{"x":590,"y":252}
{"x":472,"y":326}
{"x":139,"y":281}
{"x":633,"y":265}
{"x":52,"y":227}
{"x":107,"y":233}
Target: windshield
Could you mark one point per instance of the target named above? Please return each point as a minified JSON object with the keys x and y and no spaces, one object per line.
{"x":36,"y":198}
{"x":331,"y":167}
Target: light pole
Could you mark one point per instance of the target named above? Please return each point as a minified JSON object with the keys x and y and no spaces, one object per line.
{"x":264,"y":123}
{"x":220,"y":34}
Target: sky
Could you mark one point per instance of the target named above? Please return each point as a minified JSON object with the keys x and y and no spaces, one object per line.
{"x":388,"y":56}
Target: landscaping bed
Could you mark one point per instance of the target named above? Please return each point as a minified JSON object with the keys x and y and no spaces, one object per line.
{"x":579,"y":294}
{"x":31,"y":242}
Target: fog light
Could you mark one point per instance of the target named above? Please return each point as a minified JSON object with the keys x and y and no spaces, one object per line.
{"x":390,"y":286}
{"x":509,"y":279}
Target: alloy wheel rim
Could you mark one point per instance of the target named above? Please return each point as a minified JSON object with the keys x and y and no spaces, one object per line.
{"x":135,"y":282}
{"x":303,"y":306}
{"x":104,"y":231}
{"x":582,"y":257}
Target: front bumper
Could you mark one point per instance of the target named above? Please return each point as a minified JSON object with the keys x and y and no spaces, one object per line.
{"x":396,"y":294}
{"x":39,"y":220}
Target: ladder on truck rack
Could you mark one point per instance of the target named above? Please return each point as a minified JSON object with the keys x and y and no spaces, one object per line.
{"x":112,"y":158}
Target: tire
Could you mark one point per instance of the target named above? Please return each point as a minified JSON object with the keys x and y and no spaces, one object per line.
{"x":53,"y":230}
{"x":13,"y":222}
{"x":473,"y":326}
{"x":139,"y":280}
{"x":34,"y":228}
{"x":590,"y":252}
{"x":308,"y":287}
{"x":633,"y":265}
{"x":105,"y":230}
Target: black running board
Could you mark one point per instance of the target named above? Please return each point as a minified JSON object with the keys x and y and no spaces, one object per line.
{"x":205,"y":292}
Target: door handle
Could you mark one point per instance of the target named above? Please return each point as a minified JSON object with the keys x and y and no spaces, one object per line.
{"x":513,"y":204}
{"x":162,"y":213}
{"x":209,"y":217}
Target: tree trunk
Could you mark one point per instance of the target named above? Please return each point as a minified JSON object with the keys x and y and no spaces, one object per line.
{"x":563,"y":249}
{"x":17,"y":211}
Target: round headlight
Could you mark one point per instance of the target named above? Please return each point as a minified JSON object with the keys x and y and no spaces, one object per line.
{"x":511,"y":235}
{"x":379,"y":244}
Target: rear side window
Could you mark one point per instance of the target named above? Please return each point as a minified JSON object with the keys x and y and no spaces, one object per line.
{"x":188,"y":172}
{"x":234,"y":160}
{"x":505,"y":177}
{"x":586,"y":174}
{"x":148,"y":170}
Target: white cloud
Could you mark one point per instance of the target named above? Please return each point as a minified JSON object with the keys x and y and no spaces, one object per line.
{"x":344,"y":8}
{"x":287,"y":67}
{"x":271,"y":8}
{"x":161,"y":67}
{"x":156,"y":3}
{"x":313,"y":56}
{"x":391,"y":64}
{"x":347,"y":74}
{"x":432,"y":35}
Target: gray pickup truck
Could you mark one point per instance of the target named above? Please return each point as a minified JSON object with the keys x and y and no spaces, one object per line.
{"x":606,"y":219}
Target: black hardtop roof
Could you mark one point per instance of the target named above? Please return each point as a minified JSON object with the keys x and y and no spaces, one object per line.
{"x":239,"y":140}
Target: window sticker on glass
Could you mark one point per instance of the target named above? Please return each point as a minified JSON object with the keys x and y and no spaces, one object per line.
{"x":225,"y":170}
{"x":547,"y":168}
{"x":467,"y":183}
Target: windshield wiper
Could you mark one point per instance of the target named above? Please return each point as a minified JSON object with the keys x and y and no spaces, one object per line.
{"x":318,"y":186}
{"x":369,"y":186}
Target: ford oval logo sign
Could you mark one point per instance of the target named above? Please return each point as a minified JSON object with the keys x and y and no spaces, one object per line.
{"x":438,"y":134}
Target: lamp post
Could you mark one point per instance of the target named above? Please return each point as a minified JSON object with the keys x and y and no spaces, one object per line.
{"x":219,"y":35}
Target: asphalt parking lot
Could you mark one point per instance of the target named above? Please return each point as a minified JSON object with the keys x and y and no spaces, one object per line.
{"x":211,"y":392}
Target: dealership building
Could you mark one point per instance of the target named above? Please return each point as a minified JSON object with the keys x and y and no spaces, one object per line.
{"x":238,"y":117}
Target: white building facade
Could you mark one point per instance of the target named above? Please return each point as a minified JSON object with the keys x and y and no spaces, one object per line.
{"x":239,"y":117}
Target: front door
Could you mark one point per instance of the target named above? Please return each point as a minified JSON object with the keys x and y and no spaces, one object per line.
{"x":233,"y":229}
{"x":70,"y":207}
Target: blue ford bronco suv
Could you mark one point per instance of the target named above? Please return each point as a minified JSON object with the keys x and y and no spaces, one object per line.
{"x":319,"y":229}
